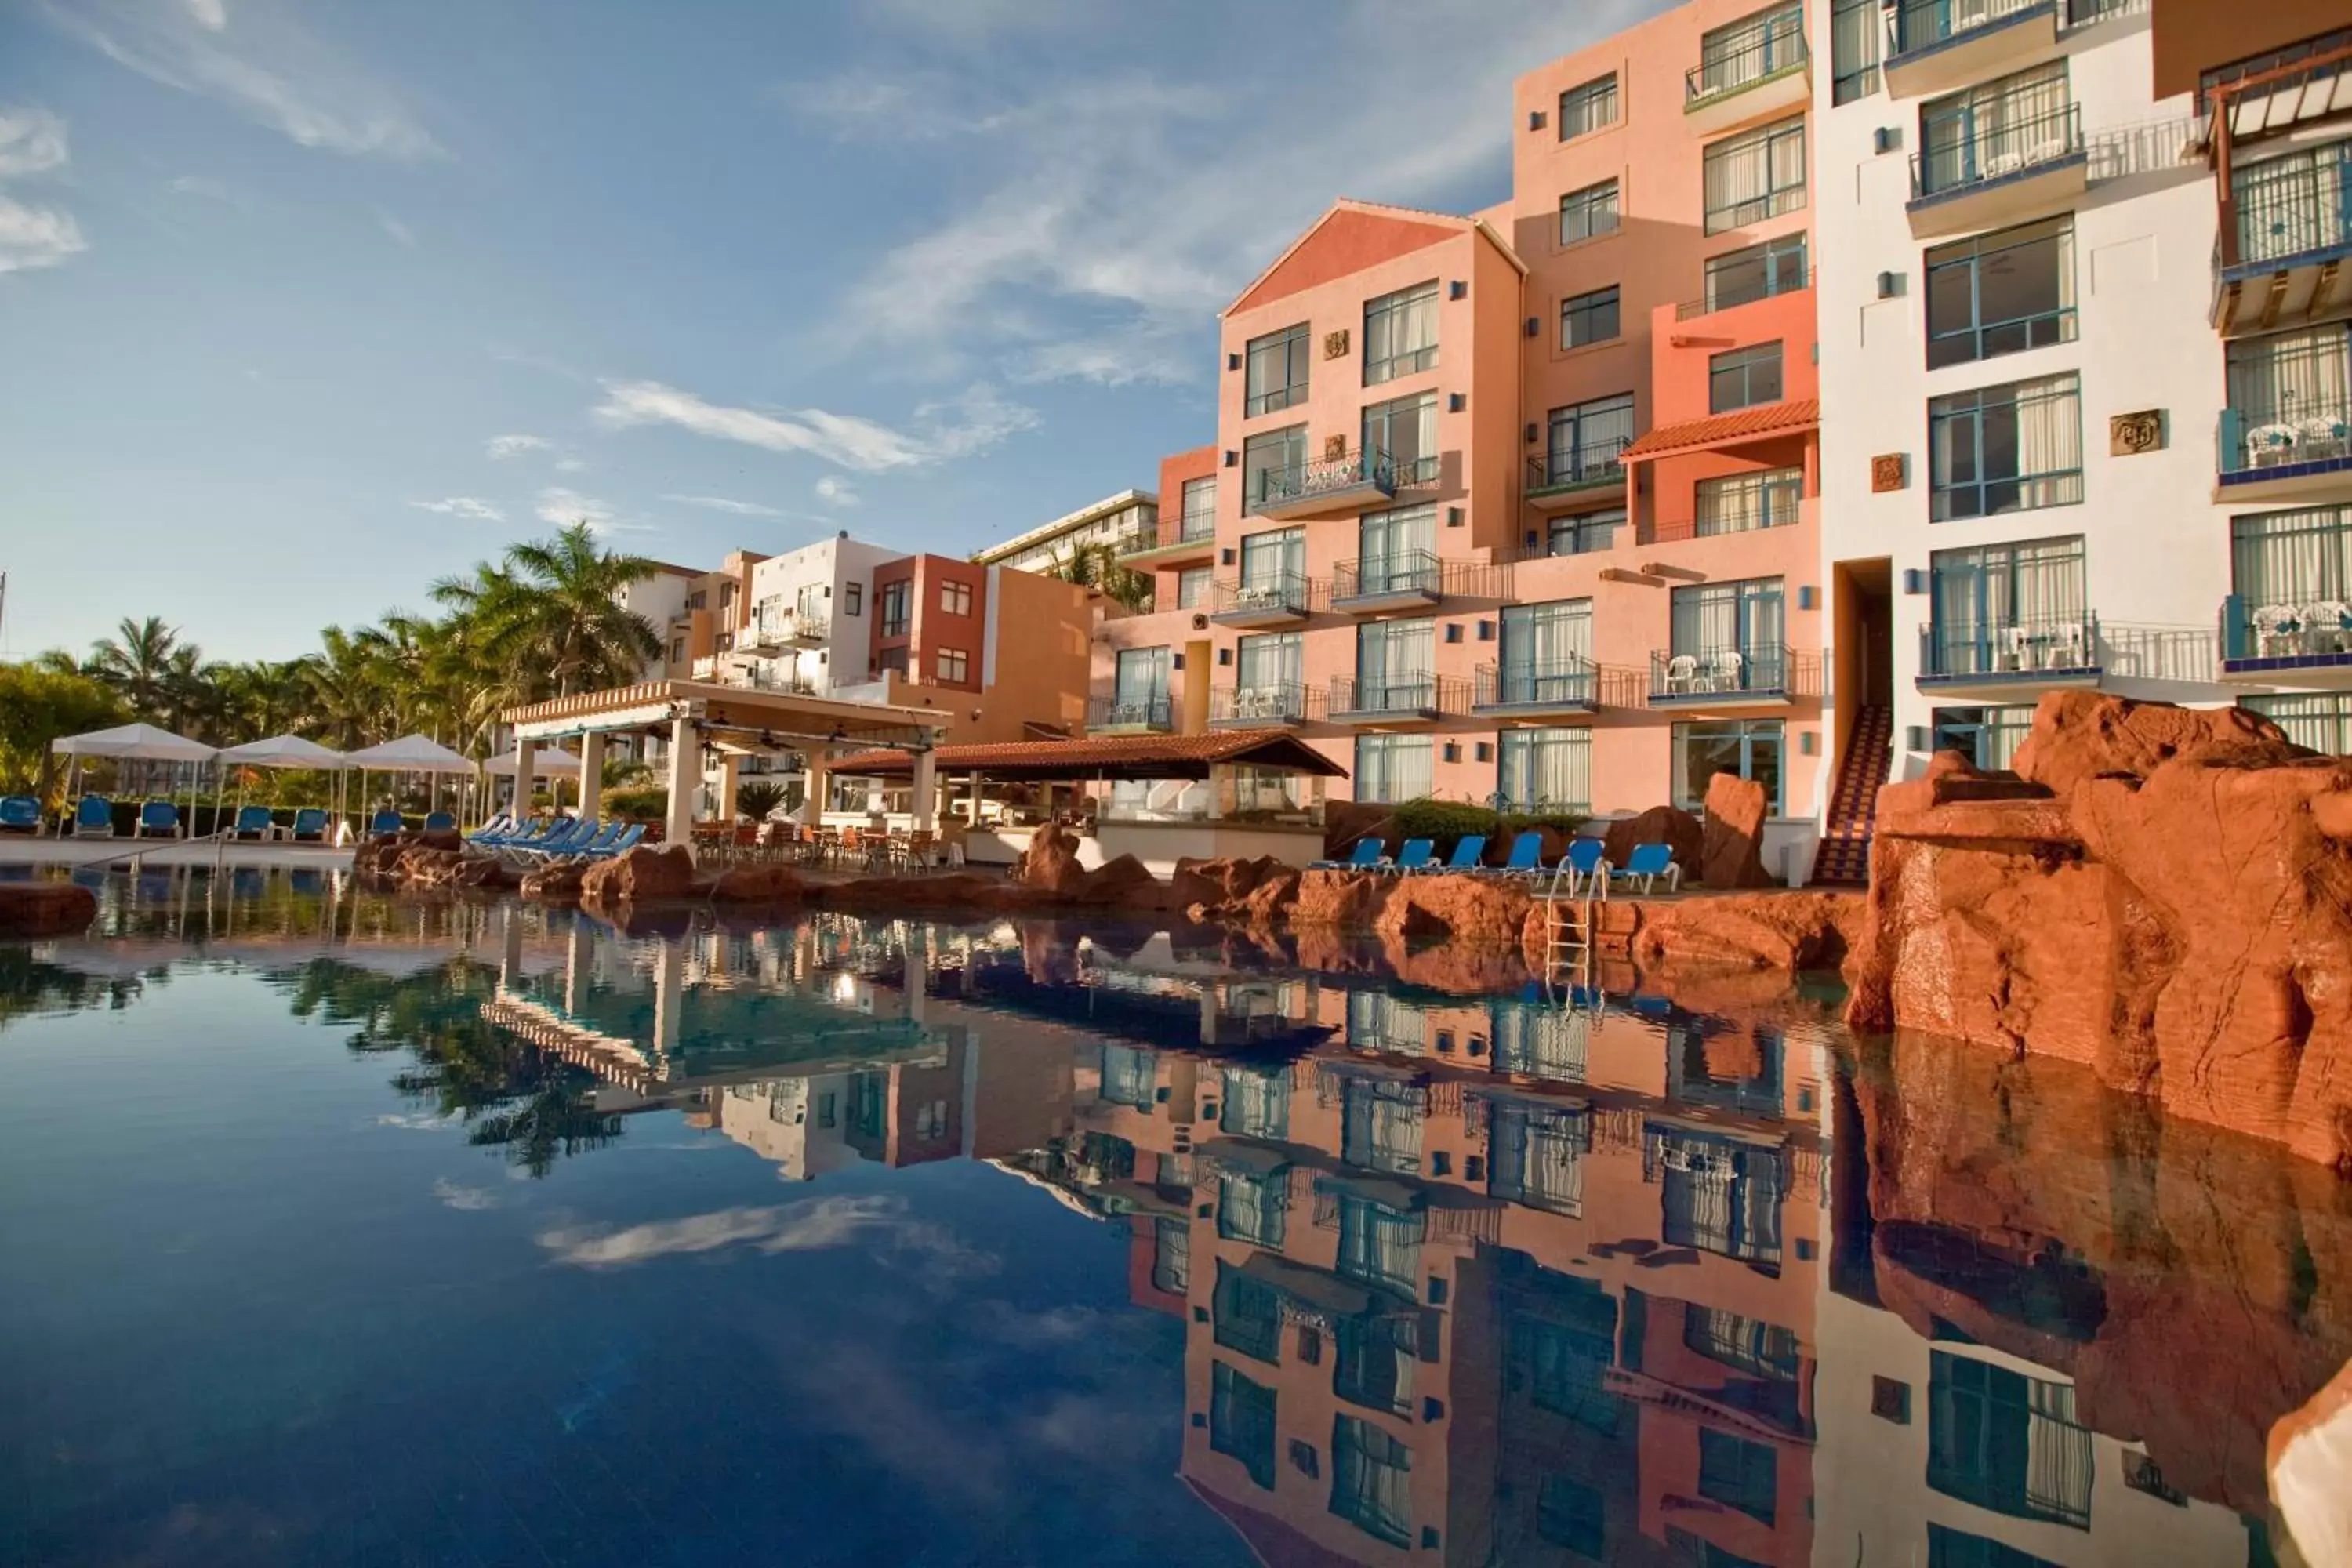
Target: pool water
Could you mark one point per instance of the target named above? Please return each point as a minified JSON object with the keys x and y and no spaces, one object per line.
{"x":344,"y":1229}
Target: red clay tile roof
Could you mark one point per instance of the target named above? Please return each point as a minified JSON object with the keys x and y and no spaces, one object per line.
{"x":1090,"y":756}
{"x":1747,"y":425}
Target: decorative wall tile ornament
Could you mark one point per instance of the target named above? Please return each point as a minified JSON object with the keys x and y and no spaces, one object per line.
{"x":2130,"y":435}
{"x":1335,"y":344}
{"x":1334,"y":448}
{"x":1887,"y":472}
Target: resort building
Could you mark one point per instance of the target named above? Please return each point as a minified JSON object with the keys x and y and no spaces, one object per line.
{"x":1052,"y":546}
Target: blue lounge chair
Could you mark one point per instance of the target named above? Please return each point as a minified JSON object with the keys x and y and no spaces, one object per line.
{"x":1525,"y":858}
{"x":254,"y":822}
{"x":309,"y":825}
{"x":623,"y":842}
{"x":569,"y":835}
{"x":1647,"y":863}
{"x":94,"y":817}
{"x":1415,"y":855}
{"x":20,"y":814}
{"x":439,"y":822}
{"x":157,"y":819}
{"x":1584,"y":868}
{"x":489,"y":832}
{"x":1468,"y":850}
{"x":385,"y":821}
{"x":1365,"y":857}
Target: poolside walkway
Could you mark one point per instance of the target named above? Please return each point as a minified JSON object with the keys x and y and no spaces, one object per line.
{"x":167,"y":852}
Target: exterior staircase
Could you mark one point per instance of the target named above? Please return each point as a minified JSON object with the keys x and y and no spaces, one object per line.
{"x":1844,"y":857}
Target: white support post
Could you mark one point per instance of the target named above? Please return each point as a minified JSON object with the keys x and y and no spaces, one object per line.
{"x":685,"y":780}
{"x":592,"y":774}
{"x":820,"y":782}
{"x":926,"y":790}
{"x":522,"y":779}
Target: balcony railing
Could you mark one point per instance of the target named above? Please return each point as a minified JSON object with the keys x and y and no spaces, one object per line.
{"x":1762,"y":53}
{"x":1151,"y":711}
{"x":1755,"y":669}
{"x":2017,"y":648}
{"x":1401,"y":573}
{"x":1278,"y":489}
{"x":1924,"y":24}
{"x":2009,"y":149}
{"x":1572,"y":682}
{"x":2286,"y":439}
{"x":1592,"y":462}
{"x":2293,"y":206}
{"x":1743,"y":512}
{"x":1284,"y":702}
{"x":786,"y":628}
{"x":1200,"y":530}
{"x":1263,"y":595}
{"x":1397,"y":696}
{"x":2297,"y":628}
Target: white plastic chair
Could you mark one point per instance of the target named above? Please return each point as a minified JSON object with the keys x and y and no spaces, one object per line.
{"x":2327,"y":627}
{"x":1725,"y":677}
{"x":2323,"y":436}
{"x":2011,"y":649}
{"x":2269,"y":446}
{"x":2068,"y":647}
{"x":2275,"y":626}
{"x":1682,"y":673}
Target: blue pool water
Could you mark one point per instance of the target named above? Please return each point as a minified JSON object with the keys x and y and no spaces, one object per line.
{"x":342,"y":1229}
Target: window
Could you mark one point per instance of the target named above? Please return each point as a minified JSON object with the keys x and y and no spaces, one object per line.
{"x":1560,"y":1357}
{"x":1995,"y":130}
{"x":1372,"y":1480}
{"x":1200,"y":519}
{"x":1546,"y":656}
{"x":1587,"y":441}
{"x":1274,"y":465}
{"x":1742,"y":616}
{"x":1256,"y":1103}
{"x":1397,"y":549}
{"x":722,"y":642}
{"x":1572,"y":1515}
{"x":1193,"y":587}
{"x":1400,"y":333}
{"x":677,"y":650}
{"x":1949,"y":1548}
{"x":890,"y":661}
{"x":1854,"y":31}
{"x":726,"y":594}
{"x":852,"y":599}
{"x":1277,"y":371}
{"x":954,"y":666}
{"x":1406,"y":431}
{"x":697,"y":600}
{"x":896,"y":600}
{"x":1247,"y":1314}
{"x":955,"y":598}
{"x":1749,"y":748}
{"x":1586,"y":107}
{"x":1578,"y":533}
{"x":1252,"y":1207}
{"x":2004,"y":1441}
{"x":1395,"y":665}
{"x":1273,"y":663}
{"x":1393,"y":768}
{"x":1275,"y":559}
{"x":1380,"y":1130}
{"x":1748,"y":50}
{"x":1736,"y":503}
{"x":1546,"y":770}
{"x":1989,"y":737}
{"x":2295,"y":203}
{"x":1140,"y":689}
{"x":1754,"y":176}
{"x":2322,"y":721}
{"x":1376,"y":1356}
{"x":1240,"y":1422}
{"x":1742,"y":378}
{"x":1589,"y":317}
{"x":1171,"y":1257}
{"x":2005,"y":449}
{"x":2002,"y":293}
{"x":1738,"y":1474}
{"x":1756,"y":272}
{"x":1538,"y":1156}
{"x":1588,"y":212}
{"x":1751,"y":1345}
{"x":2286,"y":380}
{"x":2008,"y":607}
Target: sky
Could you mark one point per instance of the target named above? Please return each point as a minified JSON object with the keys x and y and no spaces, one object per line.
{"x":305,"y":304}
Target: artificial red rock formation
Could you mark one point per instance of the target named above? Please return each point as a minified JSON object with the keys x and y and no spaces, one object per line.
{"x":29,"y":910}
{"x":1125,"y":883}
{"x":1731,"y":841}
{"x":1222,"y":885}
{"x":1348,"y":900}
{"x":557,"y":882}
{"x":1051,"y":862}
{"x":1665,"y":824}
{"x":1469,"y":911}
{"x":757,"y":884}
{"x":2163,"y":894}
{"x":1780,"y":931}
{"x":645,"y":874}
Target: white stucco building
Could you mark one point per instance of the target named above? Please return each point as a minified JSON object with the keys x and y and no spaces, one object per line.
{"x":807,"y":628}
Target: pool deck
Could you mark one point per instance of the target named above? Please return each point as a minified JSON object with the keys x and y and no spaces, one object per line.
{"x":16,"y":850}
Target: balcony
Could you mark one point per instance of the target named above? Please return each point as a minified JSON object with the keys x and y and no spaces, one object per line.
{"x":1725,"y":680}
{"x":1336,"y":487}
{"x":1283,"y":705}
{"x":2010,"y":659}
{"x":2287,"y":453}
{"x":1591,"y":474}
{"x":1745,"y":510}
{"x":777,"y":630}
{"x":1395,"y":700}
{"x":1407,"y":580}
{"x":2284,"y":251}
{"x":1763,"y":73}
{"x":1270,"y":599}
{"x":2021,"y":169}
{"x":1940,"y":45}
{"x":1151,"y":714}
{"x":2297,"y":645}
{"x":1563,"y":687}
{"x":1148,"y":547}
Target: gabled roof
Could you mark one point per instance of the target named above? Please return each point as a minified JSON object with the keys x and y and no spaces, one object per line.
{"x":1716,"y":430}
{"x":1108,"y":757}
{"x":1351,"y":235}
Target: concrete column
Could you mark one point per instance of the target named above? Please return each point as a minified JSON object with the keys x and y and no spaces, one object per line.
{"x":591,"y":773}
{"x":926,"y":790}
{"x":685,"y":779}
{"x":972,"y":807}
{"x":579,"y":957}
{"x":522,"y":777}
{"x":1193,"y":711}
{"x":820,"y":783}
{"x":511,"y":948}
{"x":669,"y":1000}
{"x":731,"y":768}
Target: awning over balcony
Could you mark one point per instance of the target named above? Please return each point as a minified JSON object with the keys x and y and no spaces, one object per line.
{"x":1109,"y":757}
{"x":1763,"y":423}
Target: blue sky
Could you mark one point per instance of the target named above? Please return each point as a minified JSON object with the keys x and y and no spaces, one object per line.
{"x":308,"y":302}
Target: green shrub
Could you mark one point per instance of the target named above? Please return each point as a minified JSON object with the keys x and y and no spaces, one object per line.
{"x":1449,"y":821}
{"x":637,"y":805}
{"x":755,"y":798}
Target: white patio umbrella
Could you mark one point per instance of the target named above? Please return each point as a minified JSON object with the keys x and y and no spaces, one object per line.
{"x":139,"y":742}
{"x":546,"y":763}
{"x":277,"y":751}
{"x":409,"y":754}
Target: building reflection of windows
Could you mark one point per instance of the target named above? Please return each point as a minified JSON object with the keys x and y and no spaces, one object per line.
{"x":1738,"y":1474}
{"x":869,"y":1115}
{"x":1246,"y":1315}
{"x":1255,"y":1103}
{"x":1560,"y":1331}
{"x":1104,"y":1157}
{"x":1379,"y":1021}
{"x":1240,"y":1422}
{"x":1707,"y":1064}
{"x":1537,"y":1041}
{"x":1686,"y":1548}
{"x":1372,"y":1480}
{"x":1376,"y":1353}
{"x":1572,"y":1515}
{"x":1536,"y":1155}
{"x":2007,"y":1442}
{"x":1130,"y":1076}
{"x":1172,"y":1258}
{"x":1949,"y":1548}
{"x":1380,"y":1246}
{"x":1745,"y":1344}
{"x":1718,"y":1195}
{"x":1379,"y":1124}
{"x":1254,"y":1207}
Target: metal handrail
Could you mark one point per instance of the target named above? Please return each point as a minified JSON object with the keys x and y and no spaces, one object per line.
{"x":1277,"y":701}
{"x":1572,"y":679}
{"x":1416,"y":694}
{"x":2010,"y":646}
{"x":1590,"y":462}
{"x":1923,"y":24}
{"x":1399,"y":572}
{"x":1998,"y":154}
{"x":1377,"y":468}
{"x":1719,"y":669}
{"x":1763,"y":52}
{"x":1157,"y":711}
{"x":1266,"y":591}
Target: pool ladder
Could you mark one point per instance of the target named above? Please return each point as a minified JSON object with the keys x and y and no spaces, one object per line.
{"x":1568,"y":918}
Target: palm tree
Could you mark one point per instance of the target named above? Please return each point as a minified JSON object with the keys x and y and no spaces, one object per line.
{"x":346,"y":698}
{"x":137,"y":662}
{"x":557,"y":609}
{"x":1096,"y":567}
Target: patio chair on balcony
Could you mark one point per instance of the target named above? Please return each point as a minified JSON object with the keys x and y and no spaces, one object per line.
{"x":1724,"y":674}
{"x":2278,"y":630}
{"x":2322,"y":435}
{"x":2068,"y":647}
{"x":2272,"y":445}
{"x":2012,"y":648}
{"x":1682,"y":673}
{"x":2327,"y":627}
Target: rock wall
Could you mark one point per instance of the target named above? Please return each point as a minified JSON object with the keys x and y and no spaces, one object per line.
{"x":29,"y":910}
{"x":2162,"y":894}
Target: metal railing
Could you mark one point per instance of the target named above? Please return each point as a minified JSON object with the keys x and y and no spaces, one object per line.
{"x":1571,"y":682}
{"x":2293,"y":206}
{"x":1776,"y":505}
{"x":1152,"y":711}
{"x":1757,"y":52}
{"x":1397,"y":571}
{"x":2298,"y":626}
{"x":1725,"y":669}
{"x":1400,"y":694}
{"x":774,"y":628}
{"x":1193,"y":530}
{"x":1288,"y":593}
{"x":1594,"y":462}
{"x":1788,"y":277}
{"x":2010,"y":148}
{"x":1924,"y":24}
{"x":2019,"y":644}
{"x":1327,"y":476}
{"x":2290,"y":431}
{"x":1283,"y":702}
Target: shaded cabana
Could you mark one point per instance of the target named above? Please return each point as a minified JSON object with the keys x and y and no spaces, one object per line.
{"x":409,"y":754}
{"x":277,"y":752}
{"x":142,"y":744}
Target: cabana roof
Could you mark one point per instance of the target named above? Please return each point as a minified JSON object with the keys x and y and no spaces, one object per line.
{"x":1108,"y":757}
{"x":791,"y":717}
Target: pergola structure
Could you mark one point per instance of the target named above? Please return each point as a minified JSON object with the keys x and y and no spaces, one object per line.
{"x":737,"y":721}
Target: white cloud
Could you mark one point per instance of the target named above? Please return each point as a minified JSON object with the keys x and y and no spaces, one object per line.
{"x":564,"y":507}
{"x":472,"y":506}
{"x":835,"y":490}
{"x":877,"y":1223}
{"x":721,"y":503}
{"x":974,"y":421}
{"x":568,"y":465}
{"x":502,"y":447}
{"x":32,"y":141}
{"x":37,"y":236}
{"x":457,"y":1195}
{"x":269,"y":67}
{"x":401,"y":235}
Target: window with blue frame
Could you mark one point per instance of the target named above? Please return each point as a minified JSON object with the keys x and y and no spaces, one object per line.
{"x":1749,"y":49}
{"x":2292,"y":559}
{"x":1999,"y":607}
{"x":1743,"y":617}
{"x":2007,"y":1442}
{"x":1996,"y":130}
{"x":1588,"y":439}
{"x":1372,"y":1480}
{"x":1254,"y":1207}
{"x":1380,"y":1123}
{"x":2290,"y":398}
{"x":1988,"y":736}
{"x":1738,"y":1474}
{"x":1546,"y":770}
{"x":1245,"y":1314}
{"x":1578,"y":533}
{"x":2012,"y":448}
{"x":1375,"y":1351}
{"x":1856,"y":30}
{"x":1563,"y":1368}
{"x":1742,"y":378}
{"x":1547,"y":653}
{"x":1242,"y":1422}
{"x":1756,"y":272}
{"x":1537,"y":1155}
{"x":1377,"y":1245}
{"x":2320,"y":720}
{"x":1748,"y":178}
{"x":1171,"y":1257}
{"x":2294,"y":205}
{"x":2002,"y":293}
{"x":1255,"y":1102}
{"x":1747,"y":748}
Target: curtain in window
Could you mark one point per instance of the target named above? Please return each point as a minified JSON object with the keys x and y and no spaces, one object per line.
{"x":1130,"y":1076}
{"x":1548,"y":638}
{"x":1547,"y":768}
{"x":1376,"y":1358}
{"x":1854,"y":31}
{"x":1252,"y":1208}
{"x":1541,"y":1041}
{"x":2291,"y":205}
{"x":2049,"y":431}
{"x":2322,"y":721}
{"x":1743,"y":617}
{"x":1739,"y":502}
{"x":1379,"y":1245}
{"x":2291,"y":559}
{"x":1394,"y":544}
{"x":1737,"y":173}
{"x":1242,"y":1422}
{"x":1997,"y":128}
{"x":1268,"y":559}
{"x":1395,"y":653}
{"x":1265,"y":663}
{"x":1142,"y":675}
{"x":1380,"y":1125}
{"x":2292,"y":376}
{"x":1371,"y":1481}
{"x":1406,"y":430}
{"x":1390,"y":768}
{"x":1256,"y":1103}
{"x":1539,"y":1158}
{"x":2036,"y":584}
